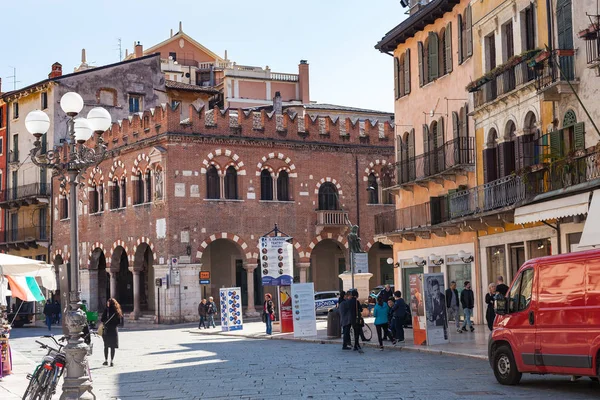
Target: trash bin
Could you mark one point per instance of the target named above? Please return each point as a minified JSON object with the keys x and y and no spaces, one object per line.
{"x":333,"y":324}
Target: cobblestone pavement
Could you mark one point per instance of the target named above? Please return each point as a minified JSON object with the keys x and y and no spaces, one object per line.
{"x":177,"y":363}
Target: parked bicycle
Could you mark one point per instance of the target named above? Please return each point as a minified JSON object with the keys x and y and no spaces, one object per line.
{"x":45,"y":377}
{"x":366,"y":330}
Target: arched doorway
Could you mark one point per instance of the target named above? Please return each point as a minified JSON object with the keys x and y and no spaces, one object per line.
{"x":142,"y":263}
{"x":99,"y":281}
{"x":124,"y":279}
{"x":383,"y":273}
{"x":327,"y":261}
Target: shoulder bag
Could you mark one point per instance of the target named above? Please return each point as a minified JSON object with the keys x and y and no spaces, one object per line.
{"x":102,"y":324}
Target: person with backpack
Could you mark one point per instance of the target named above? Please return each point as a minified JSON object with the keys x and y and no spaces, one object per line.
{"x":211,"y":310}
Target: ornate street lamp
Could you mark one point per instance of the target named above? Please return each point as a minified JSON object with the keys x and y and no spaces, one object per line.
{"x":73,"y":163}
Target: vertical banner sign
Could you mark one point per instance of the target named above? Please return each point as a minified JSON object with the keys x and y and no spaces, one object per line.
{"x":276,"y":260}
{"x":231,"y":309}
{"x":285,"y":303}
{"x":435,"y":309}
{"x":303,"y":306}
{"x":417,"y":309}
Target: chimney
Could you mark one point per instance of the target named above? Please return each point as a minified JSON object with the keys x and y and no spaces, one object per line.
{"x":56,"y":71}
{"x":171,"y":33}
{"x":126,"y":53}
{"x":83,"y":56}
{"x":180,"y":27}
{"x":277,"y":103}
{"x":139,"y":50}
{"x":303,"y":81}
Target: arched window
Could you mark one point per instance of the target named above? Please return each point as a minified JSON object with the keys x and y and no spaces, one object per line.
{"x":213,"y":187}
{"x":116,"y":195}
{"x":490,"y":156}
{"x":139,"y":189}
{"x":266,"y":185}
{"x":506,"y":151}
{"x":231,"y":184}
{"x":123,"y":192}
{"x":283,"y":186}
{"x":328,"y":199}
{"x":93,"y":199}
{"x":373,"y":189}
{"x":386,"y":181}
{"x":148,"y":186}
{"x":101,"y":197}
{"x":64,"y":206}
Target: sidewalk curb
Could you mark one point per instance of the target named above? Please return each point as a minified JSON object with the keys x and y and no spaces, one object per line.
{"x":332,"y":341}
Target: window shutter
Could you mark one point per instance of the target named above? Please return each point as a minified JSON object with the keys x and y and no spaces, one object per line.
{"x":500,"y":160}
{"x":426,"y":150}
{"x":396,"y":68}
{"x":527,"y":150}
{"x":434,"y":66}
{"x":455,"y":125}
{"x":449,"y":47}
{"x":465,"y":121}
{"x":489,"y":165}
{"x":407,"y":72}
{"x":420,"y":56}
{"x":519,"y":152}
{"x":509,"y":158}
{"x":556,"y":138}
{"x":469,"y":31}
{"x":460,"y":39}
{"x":579,"y":133}
{"x":440,"y":133}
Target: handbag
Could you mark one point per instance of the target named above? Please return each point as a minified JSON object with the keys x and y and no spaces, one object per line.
{"x":101,"y":329}
{"x":272,"y":316}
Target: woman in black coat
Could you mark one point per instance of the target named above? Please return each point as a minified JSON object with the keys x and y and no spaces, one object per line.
{"x":111,"y":318}
{"x":490,"y":314}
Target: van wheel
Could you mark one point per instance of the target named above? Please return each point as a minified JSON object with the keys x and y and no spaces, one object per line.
{"x":505,"y":367}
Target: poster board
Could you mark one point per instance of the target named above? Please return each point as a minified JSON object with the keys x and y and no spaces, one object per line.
{"x":285,"y":309}
{"x":435,"y":309}
{"x":417,"y":309}
{"x":303,"y":303}
{"x":276,"y":260}
{"x":231,"y":309}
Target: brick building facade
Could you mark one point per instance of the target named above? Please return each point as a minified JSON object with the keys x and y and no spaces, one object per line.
{"x":205,"y":188}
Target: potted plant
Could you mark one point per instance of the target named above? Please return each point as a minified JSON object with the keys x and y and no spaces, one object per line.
{"x":565,"y":52}
{"x":542,"y":56}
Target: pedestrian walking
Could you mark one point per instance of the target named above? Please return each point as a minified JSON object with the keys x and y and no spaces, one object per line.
{"x":399,"y":310}
{"x":211,"y":310}
{"x":391,"y":332}
{"x":202,"y":310}
{"x":346,"y":321}
{"x":112,"y":317}
{"x":467,"y":299}
{"x":356,"y":319}
{"x":380,"y":312}
{"x":56,"y":307}
{"x":268,"y":313}
{"x":490,"y":314}
{"x":49,"y":313}
{"x":453,"y":304}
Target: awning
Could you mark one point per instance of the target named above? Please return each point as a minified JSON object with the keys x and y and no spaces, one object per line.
{"x":591,"y":230}
{"x":553,"y":209}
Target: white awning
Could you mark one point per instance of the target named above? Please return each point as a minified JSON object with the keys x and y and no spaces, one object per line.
{"x":553,"y":209}
{"x":591,"y":230}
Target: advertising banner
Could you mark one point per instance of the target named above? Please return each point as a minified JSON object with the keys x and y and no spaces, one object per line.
{"x":286,"y":313}
{"x":303,"y":303}
{"x":276,"y":260}
{"x":435,"y":309}
{"x":231,"y":309}
{"x":417,"y":309}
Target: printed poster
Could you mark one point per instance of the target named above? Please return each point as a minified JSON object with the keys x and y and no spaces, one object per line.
{"x":435,"y":309}
{"x":417,"y":309}
{"x":276,"y":260}
{"x":285,"y":308}
{"x":231,"y":309}
{"x":303,"y":303}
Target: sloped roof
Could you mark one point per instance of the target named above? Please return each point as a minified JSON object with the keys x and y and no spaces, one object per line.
{"x":334,"y":107}
{"x":182,"y":35}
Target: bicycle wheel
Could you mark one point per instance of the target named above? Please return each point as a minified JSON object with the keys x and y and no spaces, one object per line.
{"x":51,"y":387}
{"x":36,"y":387}
{"x":367,"y":332}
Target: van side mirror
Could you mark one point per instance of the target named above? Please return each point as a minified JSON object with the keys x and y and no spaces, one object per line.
{"x":501,"y":305}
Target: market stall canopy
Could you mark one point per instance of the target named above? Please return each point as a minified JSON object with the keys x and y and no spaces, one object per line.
{"x":591,"y":230}
{"x":14,"y":266}
{"x":553,"y":209}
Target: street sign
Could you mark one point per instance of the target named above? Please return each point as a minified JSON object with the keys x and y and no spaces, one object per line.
{"x":204,"y":275}
{"x":361,"y":263}
{"x":175,"y":276}
{"x":205,"y":281}
{"x":158,"y":282}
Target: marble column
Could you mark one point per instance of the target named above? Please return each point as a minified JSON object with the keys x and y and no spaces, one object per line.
{"x":136,"y":294}
{"x":303,"y":266}
{"x":250,"y":307}
{"x":113,"y":284}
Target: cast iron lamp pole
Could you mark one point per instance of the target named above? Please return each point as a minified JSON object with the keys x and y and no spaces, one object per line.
{"x":73,"y":163}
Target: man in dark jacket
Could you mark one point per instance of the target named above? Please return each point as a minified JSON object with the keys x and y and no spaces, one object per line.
{"x":355,"y":309}
{"x":467,"y":299}
{"x":500,"y":286}
{"x":386,"y":293}
{"x":399,"y":311}
{"x":345,"y":321}
{"x":453,"y":304}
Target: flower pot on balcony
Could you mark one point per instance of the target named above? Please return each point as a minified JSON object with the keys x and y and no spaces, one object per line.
{"x":544,"y":55}
{"x":565,"y":52}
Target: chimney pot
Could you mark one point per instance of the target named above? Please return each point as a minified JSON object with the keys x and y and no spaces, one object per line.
{"x":139,"y":50}
{"x":180,"y":27}
{"x":83,"y":56}
{"x":304,"y":82}
{"x":171,"y":32}
{"x":56,"y":70}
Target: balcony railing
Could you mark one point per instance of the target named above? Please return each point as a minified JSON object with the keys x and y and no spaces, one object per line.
{"x":548,"y":71}
{"x":39,"y":233}
{"x":403,"y":218}
{"x":25,"y":191}
{"x":509,"y":80}
{"x":332,"y":217}
{"x":13,"y":156}
{"x":456,"y":152}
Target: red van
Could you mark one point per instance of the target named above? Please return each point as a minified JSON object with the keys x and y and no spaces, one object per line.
{"x":549,"y":322}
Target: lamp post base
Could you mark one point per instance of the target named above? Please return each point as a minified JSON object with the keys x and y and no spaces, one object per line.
{"x":77,"y":383}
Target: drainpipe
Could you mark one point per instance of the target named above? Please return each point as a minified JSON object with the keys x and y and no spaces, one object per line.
{"x":549,"y":22}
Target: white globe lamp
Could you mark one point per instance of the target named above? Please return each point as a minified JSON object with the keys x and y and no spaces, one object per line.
{"x":83,"y":130}
{"x":99,"y":119}
{"x":71,"y":103}
{"x":37,"y":123}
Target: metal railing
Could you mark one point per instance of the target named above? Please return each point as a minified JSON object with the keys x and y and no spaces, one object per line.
{"x":592,"y":49}
{"x":25,"y":234}
{"x":277,"y":76}
{"x":25,"y":191}
{"x":332,"y":217}
{"x":549,"y":73}
{"x":504,"y":83}
{"x":403,"y":218}
{"x":13,"y":156}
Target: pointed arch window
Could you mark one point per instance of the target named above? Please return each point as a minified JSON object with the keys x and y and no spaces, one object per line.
{"x":373,"y":188}
{"x":266,"y":185}
{"x":139,"y":188}
{"x":93,"y":199}
{"x":328,"y":199}
{"x":64,"y":206}
{"x":100,"y":197}
{"x":115,"y":195}
{"x":231,"y":184}
{"x":283,"y":186}
{"x":148,"y":184}
{"x":213,"y":186}
{"x":123,"y":192}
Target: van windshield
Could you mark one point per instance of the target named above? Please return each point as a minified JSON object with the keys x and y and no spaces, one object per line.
{"x":520,"y":292}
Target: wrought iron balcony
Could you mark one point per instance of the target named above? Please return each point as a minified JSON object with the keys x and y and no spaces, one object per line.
{"x":24,"y":238}
{"x":332,"y":218}
{"x":512,"y":78}
{"x":554,"y":72}
{"x":13,"y":156}
{"x":403,"y":219}
{"x":24,"y":195}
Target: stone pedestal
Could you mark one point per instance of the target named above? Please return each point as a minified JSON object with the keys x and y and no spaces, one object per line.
{"x":361,"y":283}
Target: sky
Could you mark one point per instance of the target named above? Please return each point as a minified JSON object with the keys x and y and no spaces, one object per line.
{"x":337,"y":37}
